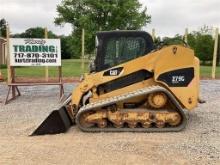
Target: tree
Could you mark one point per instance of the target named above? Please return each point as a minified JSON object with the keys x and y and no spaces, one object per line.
{"x":35,"y":32}
{"x":67,"y":50}
{"x":203,"y":45}
{"x":100,"y":15}
{"x":200,"y":41}
{"x":177,"y":39}
{"x":3,"y":28}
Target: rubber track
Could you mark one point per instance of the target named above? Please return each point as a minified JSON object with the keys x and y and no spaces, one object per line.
{"x":115,"y":99}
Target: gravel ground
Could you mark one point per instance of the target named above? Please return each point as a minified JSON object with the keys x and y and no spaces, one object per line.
{"x":199,"y":143}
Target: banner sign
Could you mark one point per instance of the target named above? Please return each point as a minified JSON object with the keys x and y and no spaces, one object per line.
{"x":35,"y":52}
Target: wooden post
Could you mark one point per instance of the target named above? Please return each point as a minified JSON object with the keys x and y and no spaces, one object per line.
{"x":83,"y":51}
{"x":218,"y":53}
{"x":153,"y":34}
{"x":186,"y":35}
{"x":1,"y":61}
{"x":8,"y":55}
{"x":46,"y":67}
{"x":215,"y":53}
{"x":10,"y":69}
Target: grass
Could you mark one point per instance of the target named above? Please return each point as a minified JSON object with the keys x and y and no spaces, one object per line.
{"x":72,"y":68}
{"x":206,"y":71}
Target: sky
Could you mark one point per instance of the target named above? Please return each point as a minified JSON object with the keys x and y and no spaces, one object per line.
{"x":169,"y":17}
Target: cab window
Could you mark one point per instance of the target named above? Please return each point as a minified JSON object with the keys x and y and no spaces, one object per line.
{"x":122,"y":49}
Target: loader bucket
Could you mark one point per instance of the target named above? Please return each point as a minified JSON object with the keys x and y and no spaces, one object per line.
{"x":57,"y":122}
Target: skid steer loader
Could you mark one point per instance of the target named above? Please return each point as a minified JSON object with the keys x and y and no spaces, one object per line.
{"x":132,"y":86}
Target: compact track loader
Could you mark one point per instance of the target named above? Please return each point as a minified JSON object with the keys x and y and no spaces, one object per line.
{"x":132,"y":86}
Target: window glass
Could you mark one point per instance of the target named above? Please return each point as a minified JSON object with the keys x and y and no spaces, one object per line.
{"x":122,"y":49}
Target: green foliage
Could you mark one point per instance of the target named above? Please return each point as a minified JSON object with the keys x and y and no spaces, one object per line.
{"x":203,"y":45}
{"x":177,"y":39}
{"x":201,"y":41}
{"x":3,"y":66}
{"x":35,"y":32}
{"x":99,"y":15}
{"x":3,"y":28}
{"x":67,"y":50}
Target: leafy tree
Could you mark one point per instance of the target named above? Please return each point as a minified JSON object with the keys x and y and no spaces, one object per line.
{"x":204,"y":47}
{"x":203,"y":44}
{"x":192,"y":40}
{"x":35,"y":32}
{"x":67,"y":50}
{"x":100,"y":15}
{"x":177,"y":39}
{"x":3,"y":28}
{"x":201,"y":41}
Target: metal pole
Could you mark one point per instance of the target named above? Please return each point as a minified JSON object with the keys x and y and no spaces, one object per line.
{"x":83,"y":51}
{"x":46,"y":67}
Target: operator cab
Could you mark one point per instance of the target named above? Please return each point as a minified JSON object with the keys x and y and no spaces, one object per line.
{"x":117,"y":47}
